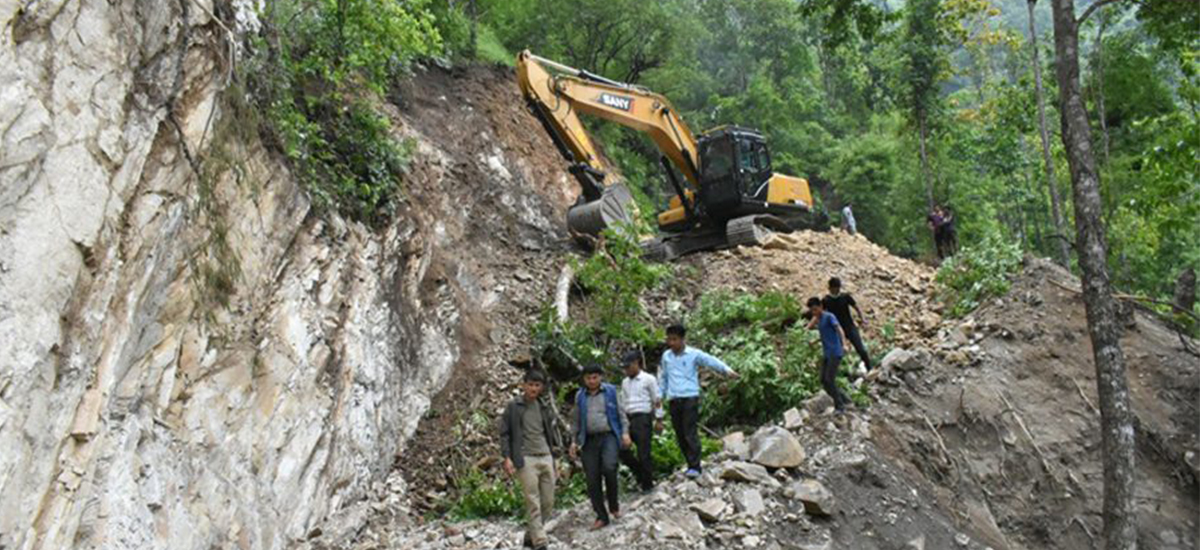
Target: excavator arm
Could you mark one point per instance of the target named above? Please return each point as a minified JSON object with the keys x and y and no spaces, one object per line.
{"x":558,"y":94}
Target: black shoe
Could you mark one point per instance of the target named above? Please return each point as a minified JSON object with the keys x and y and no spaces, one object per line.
{"x":527,"y":542}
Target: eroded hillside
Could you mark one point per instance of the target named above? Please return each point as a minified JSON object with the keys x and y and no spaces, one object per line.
{"x":194,"y":357}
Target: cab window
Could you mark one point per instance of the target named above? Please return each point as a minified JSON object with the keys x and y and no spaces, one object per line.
{"x":764,"y":158}
{"x":747,"y":159}
{"x":717,"y":158}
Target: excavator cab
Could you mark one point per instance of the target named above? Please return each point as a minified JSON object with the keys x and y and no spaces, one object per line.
{"x":735,"y":167}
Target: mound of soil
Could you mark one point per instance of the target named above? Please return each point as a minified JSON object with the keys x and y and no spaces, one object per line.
{"x":1008,"y":436}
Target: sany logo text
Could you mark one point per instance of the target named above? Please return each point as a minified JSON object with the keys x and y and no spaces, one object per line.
{"x":617,"y":102}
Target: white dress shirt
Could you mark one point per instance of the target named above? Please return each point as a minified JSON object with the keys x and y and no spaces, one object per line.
{"x":640,"y":394}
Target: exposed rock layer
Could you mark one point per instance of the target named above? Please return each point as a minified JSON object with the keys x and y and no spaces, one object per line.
{"x":199,"y":362}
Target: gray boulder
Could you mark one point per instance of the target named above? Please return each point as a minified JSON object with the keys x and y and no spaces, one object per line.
{"x":775,"y":447}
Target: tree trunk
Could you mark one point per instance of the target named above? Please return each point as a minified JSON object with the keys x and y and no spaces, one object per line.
{"x":925,"y":161}
{"x":473,"y":40}
{"x":1100,"y":112}
{"x":1064,"y":251}
{"x":1185,"y":290}
{"x":1116,"y":417}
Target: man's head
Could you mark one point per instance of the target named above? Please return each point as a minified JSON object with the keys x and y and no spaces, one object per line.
{"x":675,"y":338}
{"x":592,"y":377}
{"x":815,"y":307}
{"x":835,"y":285}
{"x":632,"y":363}
{"x":533,"y":384}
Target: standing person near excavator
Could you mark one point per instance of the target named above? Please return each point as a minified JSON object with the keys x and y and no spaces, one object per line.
{"x":839,"y":303}
{"x":833,"y":346}
{"x":680,"y":387}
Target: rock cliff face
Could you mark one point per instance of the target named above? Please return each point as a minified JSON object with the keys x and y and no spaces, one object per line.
{"x":190,"y":357}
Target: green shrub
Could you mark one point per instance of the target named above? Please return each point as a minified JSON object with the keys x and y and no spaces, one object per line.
{"x":481,"y":496}
{"x":615,"y":278}
{"x":760,"y":336}
{"x":978,"y":272}
{"x":317,"y":72}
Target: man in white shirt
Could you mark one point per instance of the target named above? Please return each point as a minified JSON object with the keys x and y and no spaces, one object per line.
{"x":639,"y":392}
{"x":848,"y":222}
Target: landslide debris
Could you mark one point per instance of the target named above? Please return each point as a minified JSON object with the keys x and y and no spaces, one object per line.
{"x":889,"y":290}
{"x":982,"y":434}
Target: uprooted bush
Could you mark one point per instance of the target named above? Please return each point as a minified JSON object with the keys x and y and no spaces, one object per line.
{"x":763,"y":338}
{"x":613,"y":280}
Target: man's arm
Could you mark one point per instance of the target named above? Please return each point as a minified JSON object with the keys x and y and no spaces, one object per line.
{"x":505,"y":434}
{"x":712,"y":363}
{"x":621,"y":413}
{"x":861,"y":320}
{"x":655,"y":398}
{"x":812,"y":322}
{"x":666,"y":378}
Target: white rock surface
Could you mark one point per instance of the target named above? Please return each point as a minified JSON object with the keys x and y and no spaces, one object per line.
{"x":136,"y":413}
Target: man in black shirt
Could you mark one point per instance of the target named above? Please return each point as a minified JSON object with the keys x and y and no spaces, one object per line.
{"x":839,"y":305}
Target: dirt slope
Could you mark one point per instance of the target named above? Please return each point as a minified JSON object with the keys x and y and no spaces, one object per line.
{"x":1021,"y":457}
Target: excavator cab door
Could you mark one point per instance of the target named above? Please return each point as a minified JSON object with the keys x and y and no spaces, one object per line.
{"x":735,"y":167}
{"x":720,"y":175}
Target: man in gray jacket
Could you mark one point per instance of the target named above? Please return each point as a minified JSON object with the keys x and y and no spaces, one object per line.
{"x":527,"y":442}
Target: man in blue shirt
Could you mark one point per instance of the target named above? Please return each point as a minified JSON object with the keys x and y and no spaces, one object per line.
{"x":680,"y":385}
{"x":832,"y":343}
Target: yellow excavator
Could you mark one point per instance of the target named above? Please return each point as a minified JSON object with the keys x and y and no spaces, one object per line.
{"x":728,"y":195}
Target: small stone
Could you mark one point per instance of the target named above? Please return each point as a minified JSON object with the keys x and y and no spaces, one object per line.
{"x":751,"y":541}
{"x":962,"y":539}
{"x":710,"y":510}
{"x":916,"y":544}
{"x":817,"y":500}
{"x":735,"y":445}
{"x":749,"y":473}
{"x":793,"y":419}
{"x":749,"y":501}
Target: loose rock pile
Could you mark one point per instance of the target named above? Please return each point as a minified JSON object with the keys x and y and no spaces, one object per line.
{"x":887,"y":288}
{"x":762,"y":491}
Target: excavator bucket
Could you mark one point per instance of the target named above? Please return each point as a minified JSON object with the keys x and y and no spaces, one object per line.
{"x":610,"y":210}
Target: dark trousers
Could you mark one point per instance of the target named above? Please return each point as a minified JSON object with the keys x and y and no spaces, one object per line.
{"x":855,"y":339}
{"x":641,"y":429}
{"x":685,"y":419}
{"x":600,"y":464}
{"x":829,"y":372}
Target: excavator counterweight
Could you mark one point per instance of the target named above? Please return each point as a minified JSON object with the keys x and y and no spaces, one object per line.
{"x":728,"y":194}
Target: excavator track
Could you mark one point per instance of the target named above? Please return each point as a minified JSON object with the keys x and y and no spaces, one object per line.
{"x":747,"y":231}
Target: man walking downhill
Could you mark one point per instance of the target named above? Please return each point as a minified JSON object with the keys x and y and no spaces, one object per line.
{"x":839,"y":305}
{"x":643,"y":406}
{"x":832,"y":344}
{"x":598,"y":427}
{"x":680,"y":385}
{"x":527,"y":442}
